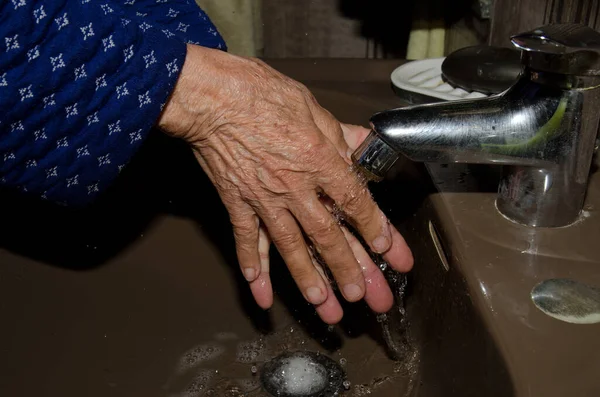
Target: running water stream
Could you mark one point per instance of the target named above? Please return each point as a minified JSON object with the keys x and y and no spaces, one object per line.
{"x":394,"y":324}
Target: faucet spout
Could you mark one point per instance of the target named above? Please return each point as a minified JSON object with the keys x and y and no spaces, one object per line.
{"x":542,"y":130}
{"x":515,"y":128}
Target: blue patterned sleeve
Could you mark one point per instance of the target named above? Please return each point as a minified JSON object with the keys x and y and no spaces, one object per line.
{"x":180,"y":18}
{"x":81,"y":84}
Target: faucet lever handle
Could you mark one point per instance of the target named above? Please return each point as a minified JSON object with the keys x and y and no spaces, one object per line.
{"x":561,"y":48}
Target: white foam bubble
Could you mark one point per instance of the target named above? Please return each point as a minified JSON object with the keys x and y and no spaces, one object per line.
{"x":248,"y":384}
{"x":199,"y":354}
{"x":299,"y":376}
{"x":361,"y":390}
{"x":199,"y":384}
{"x":249,"y":352}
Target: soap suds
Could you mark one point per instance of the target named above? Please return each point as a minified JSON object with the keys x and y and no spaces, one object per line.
{"x":299,"y":376}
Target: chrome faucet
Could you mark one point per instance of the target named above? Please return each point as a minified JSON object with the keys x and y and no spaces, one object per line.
{"x":542,"y":130}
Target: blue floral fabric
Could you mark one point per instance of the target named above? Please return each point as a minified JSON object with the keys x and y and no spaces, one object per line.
{"x":82,"y":82}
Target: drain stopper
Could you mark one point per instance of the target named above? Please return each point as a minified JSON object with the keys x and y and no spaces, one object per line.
{"x":302,"y":374}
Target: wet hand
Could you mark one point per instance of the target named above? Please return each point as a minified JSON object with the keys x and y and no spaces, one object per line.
{"x":281,"y":163}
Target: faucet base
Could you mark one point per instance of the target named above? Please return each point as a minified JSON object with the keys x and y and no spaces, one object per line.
{"x":536,"y":196}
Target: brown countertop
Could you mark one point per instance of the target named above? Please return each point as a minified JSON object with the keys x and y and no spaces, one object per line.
{"x":502,"y":262}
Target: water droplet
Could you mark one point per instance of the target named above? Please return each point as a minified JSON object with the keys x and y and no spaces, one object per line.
{"x":198,"y":355}
{"x":198,"y":384}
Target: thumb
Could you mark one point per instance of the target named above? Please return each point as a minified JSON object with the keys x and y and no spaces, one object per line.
{"x":354,"y":135}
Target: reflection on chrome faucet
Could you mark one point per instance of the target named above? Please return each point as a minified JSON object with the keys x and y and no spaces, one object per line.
{"x":542,"y":129}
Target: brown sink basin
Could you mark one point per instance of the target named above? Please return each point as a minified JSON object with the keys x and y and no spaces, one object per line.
{"x":141,"y":295}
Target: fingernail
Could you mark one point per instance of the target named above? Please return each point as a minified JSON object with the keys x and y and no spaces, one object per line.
{"x":349,"y":154}
{"x":250,"y":274}
{"x":381,"y":244}
{"x":315,"y":295}
{"x":352,"y":292}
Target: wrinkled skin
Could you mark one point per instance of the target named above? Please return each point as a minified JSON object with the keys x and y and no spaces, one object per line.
{"x":280,"y":163}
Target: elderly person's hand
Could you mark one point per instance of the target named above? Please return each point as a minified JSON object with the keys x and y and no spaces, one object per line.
{"x":272,"y":152}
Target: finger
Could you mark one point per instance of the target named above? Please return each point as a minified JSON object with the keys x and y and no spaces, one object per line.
{"x":399,"y":255}
{"x":288,"y":239}
{"x":327,"y":237}
{"x":330,"y":127}
{"x":378,"y":294}
{"x":329,"y":311}
{"x":354,"y":200}
{"x":245,"y":229}
{"x":261,"y":288}
{"x":354,"y":135}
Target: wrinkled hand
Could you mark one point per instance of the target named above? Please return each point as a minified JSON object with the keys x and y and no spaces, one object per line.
{"x":272,"y":152}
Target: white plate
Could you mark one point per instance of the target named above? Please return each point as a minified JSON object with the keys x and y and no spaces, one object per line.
{"x":425,"y":77}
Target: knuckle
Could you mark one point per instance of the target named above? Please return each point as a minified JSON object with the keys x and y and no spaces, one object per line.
{"x":243,"y":227}
{"x":257,"y":61}
{"x":303,"y":89}
{"x":302,"y":274}
{"x":288,"y":242}
{"x":244,"y":244}
{"x":246,"y":253}
{"x":327,"y":239}
{"x":355,"y":275}
{"x":328,"y":244}
{"x":316,"y":152}
{"x":348,"y":274}
{"x":314,"y":143}
{"x":311,"y":99}
{"x":355,"y":203}
{"x":245,"y":232}
{"x":324,"y":228}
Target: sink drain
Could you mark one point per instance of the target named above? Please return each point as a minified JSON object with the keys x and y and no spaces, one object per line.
{"x":302,"y":374}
